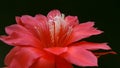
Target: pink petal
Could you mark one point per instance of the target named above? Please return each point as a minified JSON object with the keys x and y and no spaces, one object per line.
{"x":42,"y":22}
{"x":52,"y":14}
{"x":46,"y":61}
{"x":80,"y":56}
{"x":62,"y":63}
{"x":11,"y":55}
{"x":44,"y":27}
{"x":84,"y":30}
{"x":37,"y":26}
{"x":18,"y":20}
{"x":41,"y":18}
{"x":56,"y":50}
{"x":30,"y":23}
{"x":18,"y":35}
{"x":92,"y":46}
{"x":16,"y":28}
{"x":29,"y":20}
{"x":24,"y":58}
{"x":72,"y":20}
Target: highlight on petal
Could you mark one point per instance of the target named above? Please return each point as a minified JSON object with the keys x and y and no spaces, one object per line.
{"x":30,"y":23}
{"x":84,"y":30}
{"x":36,"y":24}
{"x":38,"y":28}
{"x":92,"y":46}
{"x":80,"y":57}
{"x":54,"y":13}
{"x":17,"y":28}
{"x":41,"y":18}
{"x":23,"y":58}
{"x":72,"y":20}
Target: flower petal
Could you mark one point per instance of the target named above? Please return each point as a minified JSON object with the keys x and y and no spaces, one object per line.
{"x":44,"y":27}
{"x":41,"y":18}
{"x":54,"y":13}
{"x":84,"y":30}
{"x":80,"y":56}
{"x":56,"y":50}
{"x":11,"y":55}
{"x":62,"y":63}
{"x":24,"y":58}
{"x":92,"y":46}
{"x":72,"y":20}
{"x":16,"y":28}
{"x":18,"y":20}
{"x":42,"y":22}
{"x":30,"y":23}
{"x":37,"y":27}
{"x":18,"y":35}
{"x":98,"y":54}
{"x":46,"y":61}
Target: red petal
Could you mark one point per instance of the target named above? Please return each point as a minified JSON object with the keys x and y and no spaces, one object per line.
{"x":18,"y":20}
{"x":18,"y":35}
{"x":41,"y":18}
{"x":92,"y":46}
{"x":43,"y":22}
{"x":56,"y":50}
{"x":14,"y":64}
{"x":16,"y":28}
{"x":62,"y":63}
{"x":37,"y":27}
{"x":11,"y":55}
{"x":72,"y":20}
{"x":80,"y":57}
{"x":84,"y":30}
{"x":46,"y":61}
{"x":31,"y":24}
{"x":52,"y":14}
{"x":24,"y":58}
{"x":44,"y":27}
{"x":29,"y":20}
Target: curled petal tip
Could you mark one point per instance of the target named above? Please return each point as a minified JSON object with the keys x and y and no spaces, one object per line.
{"x":52,"y":14}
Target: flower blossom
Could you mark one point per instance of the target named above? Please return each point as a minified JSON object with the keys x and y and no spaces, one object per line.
{"x":51,"y":41}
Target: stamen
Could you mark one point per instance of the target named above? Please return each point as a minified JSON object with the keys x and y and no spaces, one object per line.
{"x":59,"y":31}
{"x":54,"y":33}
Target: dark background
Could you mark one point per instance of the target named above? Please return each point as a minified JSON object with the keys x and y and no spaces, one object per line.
{"x":106,"y":14}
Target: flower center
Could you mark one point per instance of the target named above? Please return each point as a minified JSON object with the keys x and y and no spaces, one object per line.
{"x":54,"y":33}
{"x":59,"y":31}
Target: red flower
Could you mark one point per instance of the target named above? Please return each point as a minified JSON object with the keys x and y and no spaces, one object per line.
{"x":51,"y":42}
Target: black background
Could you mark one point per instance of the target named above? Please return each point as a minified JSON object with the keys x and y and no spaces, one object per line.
{"x":105,"y":13}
